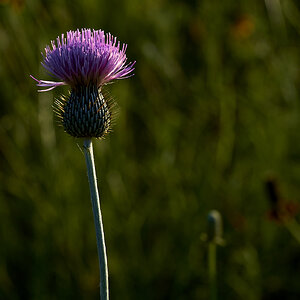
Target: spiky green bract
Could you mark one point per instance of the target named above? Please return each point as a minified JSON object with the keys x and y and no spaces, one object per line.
{"x":85,"y":113}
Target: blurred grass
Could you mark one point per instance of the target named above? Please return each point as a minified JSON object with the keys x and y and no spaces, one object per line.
{"x":212,"y":111}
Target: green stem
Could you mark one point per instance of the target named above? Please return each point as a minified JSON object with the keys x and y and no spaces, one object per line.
{"x":91,"y":171}
{"x":212,"y":269}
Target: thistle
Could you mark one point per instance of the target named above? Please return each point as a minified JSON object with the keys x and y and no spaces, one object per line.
{"x":86,"y":60}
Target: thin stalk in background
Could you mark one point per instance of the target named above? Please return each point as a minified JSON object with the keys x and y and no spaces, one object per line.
{"x":212,"y":269}
{"x":214,"y":238}
{"x":91,"y":171}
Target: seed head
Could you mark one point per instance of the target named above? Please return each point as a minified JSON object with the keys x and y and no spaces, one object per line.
{"x":85,"y":112}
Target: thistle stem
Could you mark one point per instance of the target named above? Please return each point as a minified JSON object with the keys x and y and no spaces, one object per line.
{"x":91,"y":171}
{"x":212,"y":269}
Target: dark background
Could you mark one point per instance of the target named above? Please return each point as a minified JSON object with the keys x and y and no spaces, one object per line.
{"x":211,"y":114}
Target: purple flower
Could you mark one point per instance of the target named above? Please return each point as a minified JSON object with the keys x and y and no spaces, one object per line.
{"x":86,"y":60}
{"x":85,"y":57}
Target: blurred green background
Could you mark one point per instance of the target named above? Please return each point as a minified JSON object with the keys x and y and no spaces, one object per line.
{"x":211,"y":113}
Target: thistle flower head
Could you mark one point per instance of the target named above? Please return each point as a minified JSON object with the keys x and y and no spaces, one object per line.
{"x":85,"y":57}
{"x":85,"y":60}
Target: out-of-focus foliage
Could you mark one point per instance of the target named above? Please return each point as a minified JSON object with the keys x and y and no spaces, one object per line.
{"x":211,"y":113}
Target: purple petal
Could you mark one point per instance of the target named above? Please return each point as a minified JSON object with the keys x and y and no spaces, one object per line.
{"x":85,"y":57}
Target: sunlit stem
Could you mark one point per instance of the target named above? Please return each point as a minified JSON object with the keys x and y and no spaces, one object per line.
{"x":91,"y":171}
{"x":214,"y":238}
{"x":212,"y":269}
